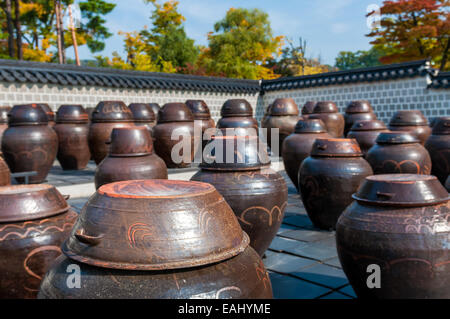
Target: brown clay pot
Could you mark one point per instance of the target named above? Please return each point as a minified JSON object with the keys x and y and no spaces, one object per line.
{"x":50,"y":114}
{"x":327,"y":111}
{"x":106,"y":116}
{"x":413,"y":121}
{"x":399,"y":153}
{"x":400,"y":224}
{"x":143,"y":115}
{"x":5,"y":174}
{"x":34,"y":221}
{"x":329,"y":177}
{"x":180,"y":241}
{"x":256,"y":193}
{"x":366,"y":133}
{"x":308,"y":108}
{"x":202,"y":116}
{"x":175,"y":116}
{"x":447,"y":184}
{"x":72,"y":129}
{"x":265,"y":116}
{"x":238,"y":114}
{"x":356,"y":111}
{"x":29,"y":144}
{"x":283,"y":116}
{"x":4,"y":110}
{"x":438,"y":146}
{"x":130,"y":157}
{"x":298,"y":145}
{"x":155,"y":107}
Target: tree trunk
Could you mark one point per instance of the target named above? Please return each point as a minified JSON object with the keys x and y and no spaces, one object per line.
{"x":61,"y":28}
{"x":18,"y":30}
{"x":10,"y":26}
{"x":74,"y":38}
{"x":58,"y":33}
{"x":445,"y":56}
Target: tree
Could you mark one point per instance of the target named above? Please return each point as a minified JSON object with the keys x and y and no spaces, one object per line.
{"x":414,"y":29}
{"x":241,"y":45}
{"x":347,"y":60}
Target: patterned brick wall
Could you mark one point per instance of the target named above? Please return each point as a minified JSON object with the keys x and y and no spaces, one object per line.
{"x":386,"y":97}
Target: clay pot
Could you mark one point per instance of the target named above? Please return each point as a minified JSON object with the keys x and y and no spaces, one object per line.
{"x":438,"y":146}
{"x":413,"y":121}
{"x":327,"y":111}
{"x":298,"y":145}
{"x":143,"y":115}
{"x":5,"y":174}
{"x":106,"y":116}
{"x":329,"y":177}
{"x":447,"y":184}
{"x":175,"y":116}
{"x":29,"y":144}
{"x":399,"y":153}
{"x":203,"y":116}
{"x":155,"y":108}
{"x":283,"y":116}
{"x":4,"y":110}
{"x":366,"y":133}
{"x":130,"y":157}
{"x":256,"y":193}
{"x":89,"y":111}
{"x":265,"y":116}
{"x":34,"y":221}
{"x":238,"y":114}
{"x":308,"y":108}
{"x":399,"y":223}
{"x":356,"y":111}
{"x":72,"y":129}
{"x":180,"y":241}
{"x":50,"y":114}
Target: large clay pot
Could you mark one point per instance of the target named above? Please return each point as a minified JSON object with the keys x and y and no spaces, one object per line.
{"x":356,"y":111}
{"x":256,"y":193}
{"x":366,"y":133}
{"x":328,"y":112}
{"x":50,"y":114}
{"x":297,"y":146}
{"x":397,"y":229}
{"x":72,"y":129}
{"x":175,"y":116}
{"x":329,"y":177}
{"x":143,"y":115}
{"x":265,"y":116}
{"x":34,"y":221}
{"x":238,"y":114}
{"x":202,"y":116}
{"x":106,"y":116}
{"x":29,"y":144}
{"x":171,"y":239}
{"x":130,"y":157}
{"x":413,"y":121}
{"x":155,"y":107}
{"x":308,"y":108}
{"x":438,"y":146}
{"x":4,"y":110}
{"x":399,"y":153}
{"x":283,"y":116}
{"x":5,"y":174}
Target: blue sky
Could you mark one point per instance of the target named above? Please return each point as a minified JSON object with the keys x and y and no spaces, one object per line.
{"x":329,"y":26}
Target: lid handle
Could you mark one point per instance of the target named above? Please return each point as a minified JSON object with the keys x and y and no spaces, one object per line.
{"x":385,"y":195}
{"x":87,"y":239}
{"x":322,"y":147}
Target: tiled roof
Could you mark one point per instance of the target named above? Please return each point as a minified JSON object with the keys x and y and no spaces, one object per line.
{"x":378,"y":73}
{"x":35,"y":72}
{"x":441,"y":81}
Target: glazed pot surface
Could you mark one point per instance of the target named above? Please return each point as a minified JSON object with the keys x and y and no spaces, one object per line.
{"x":422,"y":132}
{"x":438,"y":146}
{"x":73,"y":149}
{"x":334,"y":122}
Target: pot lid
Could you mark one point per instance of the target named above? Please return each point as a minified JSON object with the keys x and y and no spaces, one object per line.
{"x":142,"y":112}
{"x":236,"y":107}
{"x":308,"y":108}
{"x":397,"y":137}
{"x":281,"y":107}
{"x":359,"y":106}
{"x":27,"y":114}
{"x":71,"y":114}
{"x":48,"y":111}
{"x":112,"y":111}
{"x":326,"y":107}
{"x":441,"y":126}
{"x":310,"y":126}
{"x":235,"y":153}
{"x":27,"y":202}
{"x":155,"y":225}
{"x":402,"y":190}
{"x":199,"y":109}
{"x":130,"y":141}
{"x":336,"y":147}
{"x":175,"y":112}
{"x":4,"y":110}
{"x":372,"y":125}
{"x":408,"y":118}
{"x":155,"y":107}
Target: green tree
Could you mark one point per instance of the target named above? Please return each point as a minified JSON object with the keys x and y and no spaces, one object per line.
{"x":347,"y":60}
{"x":241,"y":45}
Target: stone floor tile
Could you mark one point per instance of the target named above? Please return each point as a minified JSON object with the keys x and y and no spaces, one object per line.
{"x":323,"y":274}
{"x":335,"y":295}
{"x":285,"y":287}
{"x":283,"y":228}
{"x":314,"y":250}
{"x":333,"y":262}
{"x":284,"y":244}
{"x":307,"y":235}
{"x":299,"y":220}
{"x":348,"y":290}
{"x":284,"y":263}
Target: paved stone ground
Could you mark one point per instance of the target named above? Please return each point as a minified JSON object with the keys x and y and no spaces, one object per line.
{"x":302,"y":260}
